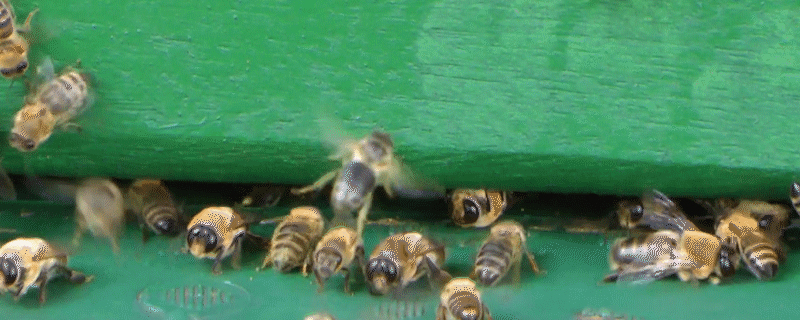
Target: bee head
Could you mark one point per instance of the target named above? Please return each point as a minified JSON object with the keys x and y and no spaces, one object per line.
{"x":14,"y":58}
{"x":202,"y":239}
{"x":22,"y":143}
{"x":9,"y":270}
{"x":326,"y":262}
{"x":382,"y":274}
{"x":727,"y":256}
{"x":167,"y":226}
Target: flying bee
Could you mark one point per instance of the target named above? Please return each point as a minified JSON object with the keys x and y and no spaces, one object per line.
{"x":403,"y":258}
{"x":294,"y":239}
{"x":32,"y":262}
{"x":56,"y":102}
{"x":755,"y":226}
{"x":692,"y":255}
{"x":336,"y":252}
{"x":501,"y":251}
{"x":461,"y":300}
{"x":99,"y":209}
{"x":366,"y":164}
{"x":217,"y":233}
{"x":477,"y":207}
{"x":13,"y":47}
{"x":152,"y":204}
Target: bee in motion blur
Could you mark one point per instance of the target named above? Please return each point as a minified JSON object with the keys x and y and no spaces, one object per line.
{"x":755,"y":227}
{"x":294,"y":240}
{"x":403,"y":258}
{"x":335,"y":253}
{"x":366,"y":164}
{"x":217,"y":233}
{"x":54,"y":104}
{"x":461,"y":300}
{"x":478,"y":207}
{"x":100,"y":209}
{"x":502,"y":250}
{"x":13,"y":47}
{"x":152,"y":204}
{"x":32,"y":262}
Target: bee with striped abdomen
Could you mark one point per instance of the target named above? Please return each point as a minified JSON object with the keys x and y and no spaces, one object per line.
{"x":152,"y":204}
{"x":217,"y":233}
{"x":294,"y":239}
{"x":477,"y":207}
{"x":461,"y":300}
{"x":55,"y":103}
{"x":501,"y":251}
{"x":403,"y":258}
{"x":13,"y":47}
{"x":336,"y":252}
{"x":100,"y":208}
{"x":32,"y":262}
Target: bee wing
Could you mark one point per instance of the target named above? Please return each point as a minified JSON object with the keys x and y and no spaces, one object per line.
{"x":406,"y":183}
{"x":44,"y":73}
{"x":645,"y":274}
{"x":661,"y":213}
{"x":7,"y":191}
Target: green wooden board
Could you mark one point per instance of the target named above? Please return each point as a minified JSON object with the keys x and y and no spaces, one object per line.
{"x":601,"y":96}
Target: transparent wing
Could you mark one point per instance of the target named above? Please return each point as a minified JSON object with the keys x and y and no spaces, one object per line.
{"x":407,"y":183}
{"x":659,"y":212}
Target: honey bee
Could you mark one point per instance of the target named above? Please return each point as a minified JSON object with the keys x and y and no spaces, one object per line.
{"x":264,"y":196}
{"x":336,"y":252}
{"x":477,"y":207}
{"x":366,"y":165}
{"x":461,"y":300}
{"x":55,"y":104}
{"x":152,"y":204}
{"x":755,"y":227}
{"x":692,"y":255}
{"x":655,"y":211}
{"x":403,"y":258}
{"x":217,"y":233}
{"x":501,"y":251}
{"x":32,"y":262}
{"x":294,"y":239}
{"x":13,"y":47}
{"x":100,"y":209}
{"x":794,"y":196}
{"x":320,"y":316}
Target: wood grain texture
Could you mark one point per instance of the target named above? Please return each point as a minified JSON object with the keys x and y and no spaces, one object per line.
{"x":693,"y":98}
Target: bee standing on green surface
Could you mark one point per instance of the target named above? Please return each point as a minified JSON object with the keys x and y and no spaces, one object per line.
{"x":336,"y":252}
{"x":366,"y":164}
{"x":152,"y":204}
{"x":294,"y":239}
{"x":501,"y":251}
{"x":461,"y":300}
{"x":13,"y":47}
{"x":100,"y":209}
{"x":32,"y":262}
{"x":403,"y":258}
{"x":56,"y":102}
{"x":217,"y":233}
{"x":478,"y":207}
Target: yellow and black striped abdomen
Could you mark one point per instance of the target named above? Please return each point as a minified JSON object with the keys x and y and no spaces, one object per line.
{"x":65,"y":95}
{"x":494,"y":260}
{"x":291,"y":245}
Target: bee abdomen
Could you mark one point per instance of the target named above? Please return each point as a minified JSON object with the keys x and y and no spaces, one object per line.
{"x":494,"y":255}
{"x":465,"y":305}
{"x":66,"y":92}
{"x":358,"y":178}
{"x":154,"y":214}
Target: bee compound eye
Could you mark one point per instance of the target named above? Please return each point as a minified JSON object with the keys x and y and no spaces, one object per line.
{"x":22,"y":66}
{"x":471,"y":211}
{"x":637,"y":212}
{"x":205,"y":235}
{"x":9,"y":270}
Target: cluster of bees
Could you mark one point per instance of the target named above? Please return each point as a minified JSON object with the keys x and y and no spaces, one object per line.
{"x":745,"y":232}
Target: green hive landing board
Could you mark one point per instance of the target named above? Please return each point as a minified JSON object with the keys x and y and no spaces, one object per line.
{"x":574,"y":264}
{"x":596,"y":96}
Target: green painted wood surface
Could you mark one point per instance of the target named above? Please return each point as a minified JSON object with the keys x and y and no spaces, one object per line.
{"x":691,"y":97}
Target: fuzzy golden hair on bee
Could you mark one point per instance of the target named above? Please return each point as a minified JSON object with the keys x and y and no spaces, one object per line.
{"x":294,"y":240}
{"x":14,"y":46}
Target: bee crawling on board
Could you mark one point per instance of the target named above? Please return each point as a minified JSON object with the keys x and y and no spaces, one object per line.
{"x":55,"y":103}
{"x":32,"y":262}
{"x":477,"y":207}
{"x":336,"y":252}
{"x":500,"y":252}
{"x":755,"y":227}
{"x":99,"y":209}
{"x":294,"y":239}
{"x":461,"y":300}
{"x":366,"y":164}
{"x":217,"y":233}
{"x":403,"y":258}
{"x":13,"y":47}
{"x":152,"y":204}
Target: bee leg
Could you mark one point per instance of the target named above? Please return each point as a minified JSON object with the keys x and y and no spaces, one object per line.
{"x":306,"y":263}
{"x":347,"y":281}
{"x":516,"y":273}
{"x":145,"y":234}
{"x":237,"y":253}
{"x":319,"y":281}
{"x":486,"y":313}
{"x":321,"y":182}
{"x":42,"y":283}
{"x":361,"y":260}
{"x":72,"y":127}
{"x":27,"y":26}
{"x":216,"y":268}
{"x":532,"y":262}
{"x":114,"y":244}
{"x":441,"y":312}
{"x":362,"y":214}
{"x":79,"y":230}
{"x":267,"y":261}
{"x":436,"y":273}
